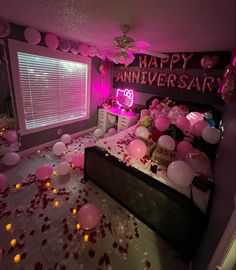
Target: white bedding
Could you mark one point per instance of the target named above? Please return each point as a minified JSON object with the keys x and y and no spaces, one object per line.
{"x":116,"y":145}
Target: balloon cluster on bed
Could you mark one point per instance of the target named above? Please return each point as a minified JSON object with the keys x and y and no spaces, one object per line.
{"x":185,"y":161}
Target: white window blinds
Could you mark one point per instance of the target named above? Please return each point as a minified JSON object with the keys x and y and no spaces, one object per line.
{"x":52,"y":90}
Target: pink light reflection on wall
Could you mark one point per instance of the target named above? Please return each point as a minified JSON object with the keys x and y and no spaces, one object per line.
{"x":125,"y":97}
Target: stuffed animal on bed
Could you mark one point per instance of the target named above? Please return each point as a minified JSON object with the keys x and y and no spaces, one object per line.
{"x":154,"y":104}
{"x":145,"y":121}
{"x":144,"y":113}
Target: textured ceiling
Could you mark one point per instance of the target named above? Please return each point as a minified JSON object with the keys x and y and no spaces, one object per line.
{"x":169,"y":25}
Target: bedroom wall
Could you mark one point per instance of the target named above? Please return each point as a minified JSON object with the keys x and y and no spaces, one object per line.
{"x":100,"y":90}
{"x":225,"y":190}
{"x":156,"y":74}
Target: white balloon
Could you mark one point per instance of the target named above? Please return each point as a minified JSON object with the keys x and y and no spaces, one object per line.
{"x":98,"y":132}
{"x":180,"y":173}
{"x":142,"y":132}
{"x":211,"y":135}
{"x":58,"y":148}
{"x":66,"y":138}
{"x":11,"y":159}
{"x":64,"y":168}
{"x":167,"y":142}
{"x":111,"y":131}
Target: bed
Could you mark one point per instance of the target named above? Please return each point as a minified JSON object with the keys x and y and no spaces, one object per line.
{"x":178,"y":215}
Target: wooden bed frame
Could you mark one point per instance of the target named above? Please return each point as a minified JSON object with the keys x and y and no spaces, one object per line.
{"x":169,"y":213}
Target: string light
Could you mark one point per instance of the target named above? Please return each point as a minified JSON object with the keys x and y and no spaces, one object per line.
{"x":54,"y":191}
{"x":74,"y":211}
{"x":54,"y":173}
{"x":78,"y":226}
{"x":18,"y":186}
{"x":56,"y":204}
{"x":86,"y":238}
{"x":48,"y":184}
{"x":13,"y":242}
{"x":17,"y":258}
{"x":8,"y":227}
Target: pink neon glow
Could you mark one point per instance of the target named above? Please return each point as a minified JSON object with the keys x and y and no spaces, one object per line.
{"x":125,"y":97}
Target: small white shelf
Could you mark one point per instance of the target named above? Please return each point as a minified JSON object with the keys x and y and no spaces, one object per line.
{"x":123,"y":119}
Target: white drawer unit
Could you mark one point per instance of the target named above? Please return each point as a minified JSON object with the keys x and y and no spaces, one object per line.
{"x":116,"y":118}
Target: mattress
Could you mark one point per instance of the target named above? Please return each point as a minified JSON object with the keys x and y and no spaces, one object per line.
{"x":116,"y":145}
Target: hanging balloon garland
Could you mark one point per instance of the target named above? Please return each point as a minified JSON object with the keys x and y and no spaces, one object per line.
{"x":5,"y":28}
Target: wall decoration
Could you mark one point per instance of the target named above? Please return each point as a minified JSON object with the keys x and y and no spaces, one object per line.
{"x":5,"y":28}
{"x":64,"y":45}
{"x":177,"y":75}
{"x":32,"y":35}
{"x":125,"y":97}
{"x":51,"y":41}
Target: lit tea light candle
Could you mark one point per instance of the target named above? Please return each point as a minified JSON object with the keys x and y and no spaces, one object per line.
{"x":74,"y":211}
{"x":76,"y":150}
{"x":77,"y":226}
{"x":13,"y":242}
{"x":38,"y":151}
{"x":64,"y":153}
{"x":54,"y":173}
{"x":56,"y":204}
{"x":54,"y":191}
{"x":48,"y":184}
{"x":8,"y":227}
{"x":72,"y":166}
{"x":1,"y":133}
{"x":69,"y":146}
{"x":18,"y":186}
{"x":17,"y":258}
{"x":86,"y":238}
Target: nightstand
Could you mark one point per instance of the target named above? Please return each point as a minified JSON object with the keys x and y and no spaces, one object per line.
{"x":120,"y":119}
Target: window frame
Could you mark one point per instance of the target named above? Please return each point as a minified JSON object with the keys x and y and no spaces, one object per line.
{"x":18,"y":46}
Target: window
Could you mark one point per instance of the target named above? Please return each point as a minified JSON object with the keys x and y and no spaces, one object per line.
{"x":51,"y":87}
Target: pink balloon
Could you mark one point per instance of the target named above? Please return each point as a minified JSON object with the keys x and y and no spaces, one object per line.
{"x":194,"y":117}
{"x":74,"y":47}
{"x":78,"y":160}
{"x":11,"y":136}
{"x":44,"y":171}
{"x":3,"y":179}
{"x":183,"y":148}
{"x":88,"y":216}
{"x":137,"y":148}
{"x":11,"y":159}
{"x":162,"y":123}
{"x":111,"y":131}
{"x":182,"y":123}
{"x":84,"y":49}
{"x":198,"y":127}
{"x":32,"y":35}
{"x":5,"y":28}
{"x":64,"y":45}
{"x":51,"y":41}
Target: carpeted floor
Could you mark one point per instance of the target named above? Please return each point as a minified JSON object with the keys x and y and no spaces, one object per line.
{"x":46,"y":236}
